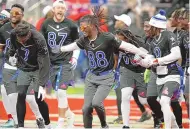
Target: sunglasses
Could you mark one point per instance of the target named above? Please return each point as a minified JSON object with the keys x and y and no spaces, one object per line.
{"x":15,"y":13}
{"x":2,"y":17}
{"x":82,"y":28}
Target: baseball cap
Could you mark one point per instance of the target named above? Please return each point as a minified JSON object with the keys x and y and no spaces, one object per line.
{"x":124,"y":18}
{"x":59,"y":3}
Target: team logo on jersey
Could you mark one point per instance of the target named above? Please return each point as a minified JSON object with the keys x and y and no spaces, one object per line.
{"x":57,"y":26}
{"x":172,"y":39}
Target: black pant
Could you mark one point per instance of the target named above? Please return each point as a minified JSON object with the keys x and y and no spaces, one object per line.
{"x":21,"y":109}
{"x":155,"y":106}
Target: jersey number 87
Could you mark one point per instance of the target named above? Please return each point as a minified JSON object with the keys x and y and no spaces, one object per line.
{"x":52,"y":39}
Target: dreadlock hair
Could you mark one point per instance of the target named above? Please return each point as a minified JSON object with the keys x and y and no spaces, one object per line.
{"x":96,"y":19}
{"x":133,"y":39}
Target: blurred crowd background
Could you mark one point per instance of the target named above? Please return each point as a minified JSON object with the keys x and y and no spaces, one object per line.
{"x":138,"y":10}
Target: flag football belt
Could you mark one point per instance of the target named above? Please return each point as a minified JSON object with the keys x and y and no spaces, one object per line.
{"x":181,"y":73}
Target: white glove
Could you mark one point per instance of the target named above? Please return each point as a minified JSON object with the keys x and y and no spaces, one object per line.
{"x":147,"y":61}
{"x":73,"y":62}
{"x":137,"y":59}
{"x":41,"y":92}
{"x":13,"y":60}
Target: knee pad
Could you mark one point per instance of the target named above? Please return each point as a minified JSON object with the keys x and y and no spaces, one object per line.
{"x":30,"y":98}
{"x":142,"y":100}
{"x":62,"y":98}
{"x":126,"y":93}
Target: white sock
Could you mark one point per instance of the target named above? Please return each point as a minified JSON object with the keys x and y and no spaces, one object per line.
{"x":5,"y":99}
{"x":60,"y":122}
{"x":68,"y":113}
{"x":33,"y":105}
{"x":169,"y":118}
{"x":13,"y":101}
{"x":125,"y":104}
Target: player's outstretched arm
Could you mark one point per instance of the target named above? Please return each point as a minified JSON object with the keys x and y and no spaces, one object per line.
{"x":174,"y":55}
{"x":70,"y":47}
{"x":133,"y":49}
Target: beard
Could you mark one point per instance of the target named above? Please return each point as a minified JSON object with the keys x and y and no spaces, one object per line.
{"x":16,"y":22}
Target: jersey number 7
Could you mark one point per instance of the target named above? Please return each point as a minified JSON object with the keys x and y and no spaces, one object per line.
{"x":52,"y":39}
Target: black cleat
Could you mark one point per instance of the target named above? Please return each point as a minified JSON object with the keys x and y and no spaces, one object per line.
{"x":105,"y":127}
{"x":40,"y":123}
{"x":125,"y":127}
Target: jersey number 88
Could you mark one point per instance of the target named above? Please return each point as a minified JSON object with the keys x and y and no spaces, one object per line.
{"x":100,"y":61}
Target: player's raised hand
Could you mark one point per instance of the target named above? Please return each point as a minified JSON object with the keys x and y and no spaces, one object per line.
{"x":73,"y":62}
{"x":56,"y":49}
{"x":41,"y":92}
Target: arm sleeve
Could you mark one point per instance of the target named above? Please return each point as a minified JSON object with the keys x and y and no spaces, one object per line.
{"x":12,"y":49}
{"x":132,"y":49}
{"x":174,"y":55}
{"x":43,"y":62}
{"x":70,"y":47}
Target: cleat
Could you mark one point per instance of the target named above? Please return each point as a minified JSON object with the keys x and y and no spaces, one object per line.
{"x":40,"y":123}
{"x":118,"y":120}
{"x":105,"y":127}
{"x":160,"y":124}
{"x":125,"y":127}
{"x":8,"y":124}
{"x":145,"y":116}
{"x":16,"y":126}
